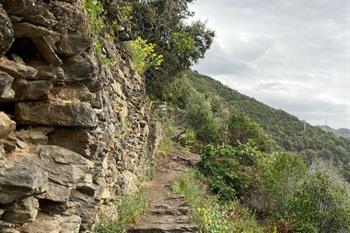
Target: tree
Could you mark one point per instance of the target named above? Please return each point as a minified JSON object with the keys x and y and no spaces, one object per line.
{"x":241,"y":129}
{"x":164,"y":23}
{"x":201,"y":118}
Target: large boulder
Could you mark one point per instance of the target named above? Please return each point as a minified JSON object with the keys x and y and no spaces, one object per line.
{"x":6,"y":125}
{"x":88,"y":210}
{"x":74,"y":91}
{"x":40,"y":15}
{"x":56,"y":114}
{"x":6,"y":32}
{"x":21,"y":181}
{"x":20,"y":8}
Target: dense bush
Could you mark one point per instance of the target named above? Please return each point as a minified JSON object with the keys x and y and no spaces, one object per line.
{"x":321,"y":203}
{"x":211,"y":215}
{"x":280,"y":174}
{"x":200,"y":117}
{"x":177,"y":91}
{"x":229,"y":170}
{"x":315,"y":200}
{"x":240,"y":129}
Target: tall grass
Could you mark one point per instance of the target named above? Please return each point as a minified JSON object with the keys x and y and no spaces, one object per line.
{"x":128,"y":209}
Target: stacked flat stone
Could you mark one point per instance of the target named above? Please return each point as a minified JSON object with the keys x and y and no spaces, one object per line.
{"x":74,"y":134}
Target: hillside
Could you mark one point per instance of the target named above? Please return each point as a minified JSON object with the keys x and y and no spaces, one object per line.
{"x":327,"y":128}
{"x":104,"y":129}
{"x":287,"y":130}
{"x":344,"y":132}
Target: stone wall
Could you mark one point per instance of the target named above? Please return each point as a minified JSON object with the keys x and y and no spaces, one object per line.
{"x":74,"y":134}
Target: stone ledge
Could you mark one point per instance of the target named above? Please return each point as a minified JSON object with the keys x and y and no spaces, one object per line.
{"x":56,"y":114}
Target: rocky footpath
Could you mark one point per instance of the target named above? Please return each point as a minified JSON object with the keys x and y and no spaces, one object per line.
{"x":74,"y":133}
{"x":166,"y":211}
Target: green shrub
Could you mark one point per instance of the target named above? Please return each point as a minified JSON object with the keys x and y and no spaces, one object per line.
{"x":280,"y":174}
{"x":241,"y":129}
{"x":126,"y":10}
{"x":200,"y":117}
{"x":313,"y":201}
{"x":177,"y":91}
{"x":165,"y":147}
{"x":321,"y":203}
{"x":170,"y":129}
{"x":97,"y":24}
{"x":143,"y":55}
{"x":129,"y":208}
{"x":229,"y":170}
{"x":211,"y":215}
{"x":190,"y":136}
{"x":95,"y":12}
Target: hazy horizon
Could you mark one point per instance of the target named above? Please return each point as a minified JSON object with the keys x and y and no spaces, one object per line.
{"x":291,"y":55}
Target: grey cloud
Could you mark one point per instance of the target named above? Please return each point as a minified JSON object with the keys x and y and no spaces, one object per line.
{"x":292,"y":54}
{"x":313,"y":109}
{"x":272,"y":86}
{"x":219,"y":62}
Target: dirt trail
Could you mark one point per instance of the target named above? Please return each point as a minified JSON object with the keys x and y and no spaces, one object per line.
{"x":166,"y":211}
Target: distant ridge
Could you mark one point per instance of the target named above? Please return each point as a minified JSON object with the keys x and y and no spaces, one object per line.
{"x":344,"y":132}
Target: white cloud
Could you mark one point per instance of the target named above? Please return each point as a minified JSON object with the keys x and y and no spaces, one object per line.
{"x":290,"y":54}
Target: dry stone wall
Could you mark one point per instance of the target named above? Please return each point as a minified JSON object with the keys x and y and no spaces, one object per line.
{"x":74,"y":134}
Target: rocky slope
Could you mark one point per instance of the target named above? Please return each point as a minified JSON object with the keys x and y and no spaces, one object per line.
{"x":74,"y":134}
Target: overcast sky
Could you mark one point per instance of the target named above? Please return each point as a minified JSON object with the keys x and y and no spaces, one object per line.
{"x":290,"y":54}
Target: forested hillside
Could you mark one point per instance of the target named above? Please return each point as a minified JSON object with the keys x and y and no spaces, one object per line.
{"x":287,"y":130}
{"x":285,"y":171}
